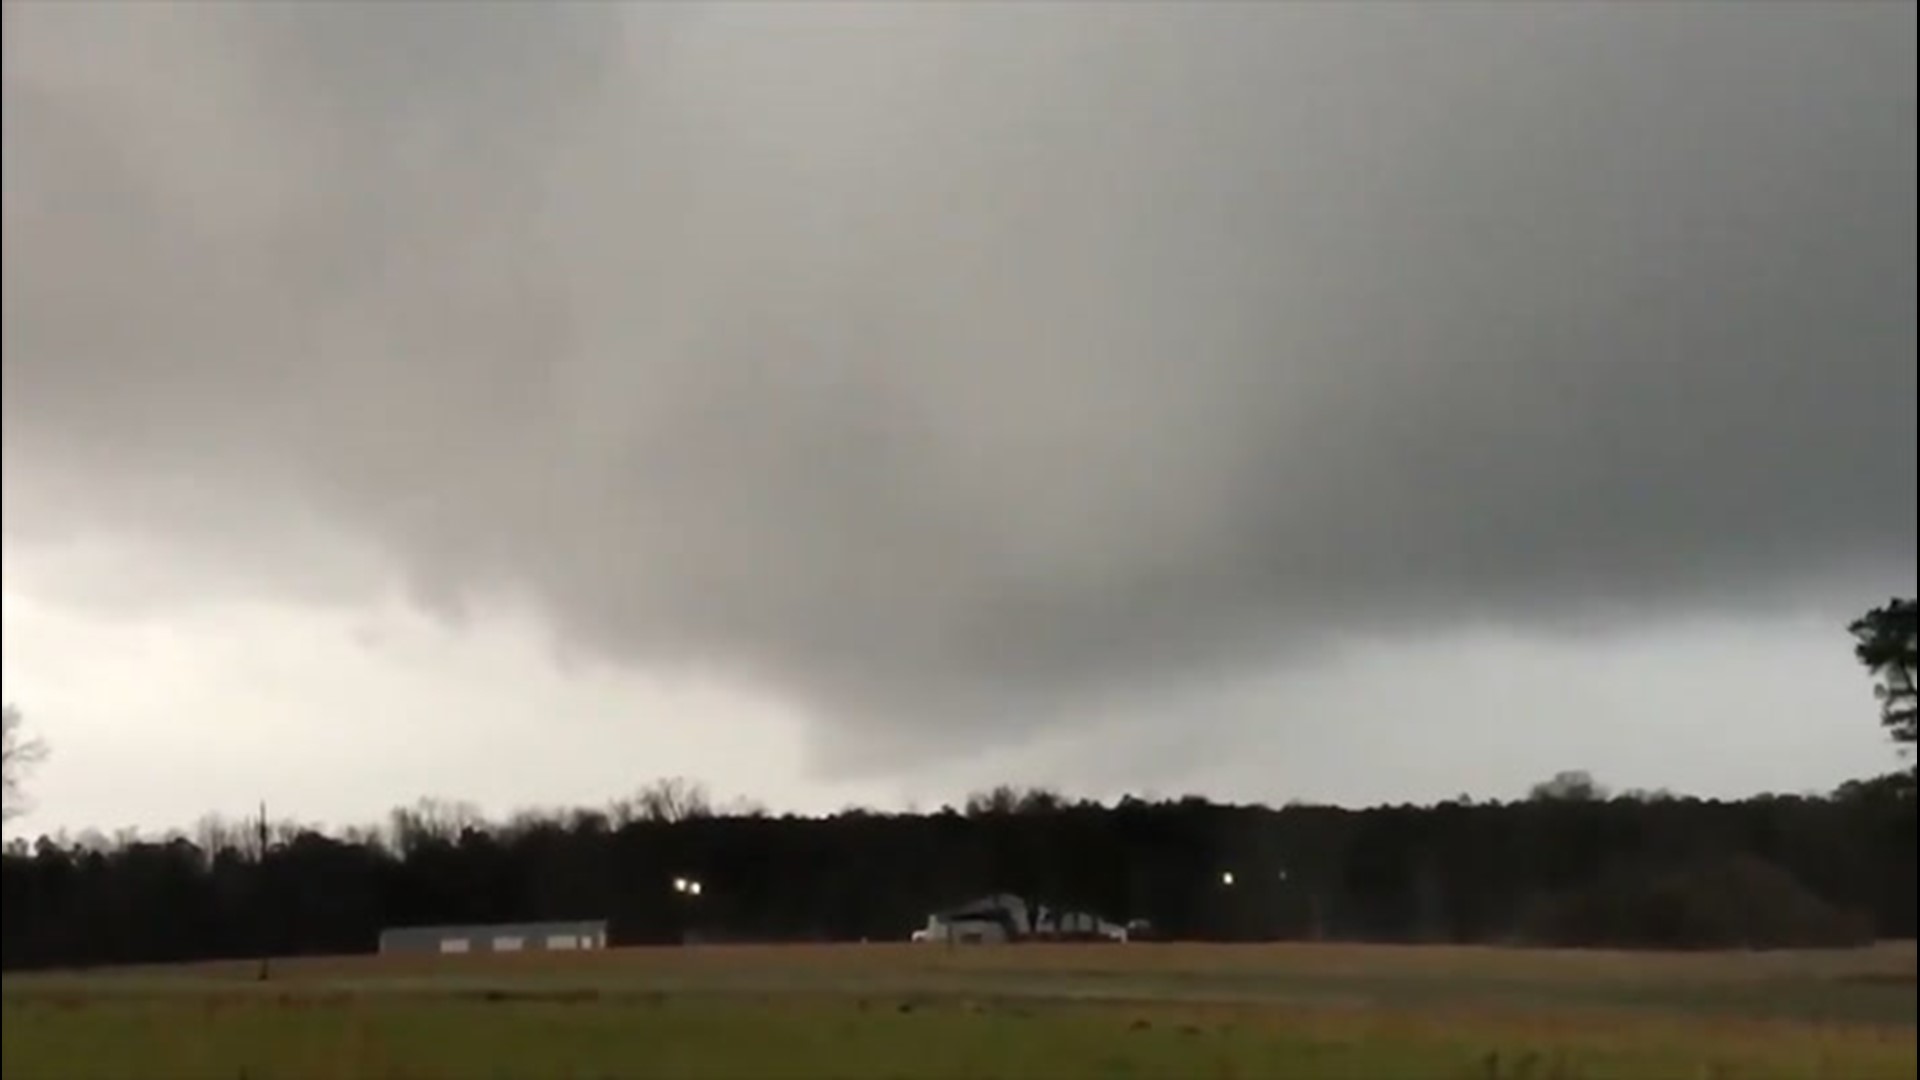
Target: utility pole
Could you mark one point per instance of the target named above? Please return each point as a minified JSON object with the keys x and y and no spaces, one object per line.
{"x":260,"y":891}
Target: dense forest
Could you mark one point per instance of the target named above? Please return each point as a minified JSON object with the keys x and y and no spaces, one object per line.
{"x":1569,"y":865}
{"x":1565,"y":867}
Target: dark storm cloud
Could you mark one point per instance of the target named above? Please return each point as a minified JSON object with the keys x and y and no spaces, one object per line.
{"x":934,"y":363}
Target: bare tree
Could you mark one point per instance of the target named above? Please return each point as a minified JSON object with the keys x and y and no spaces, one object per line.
{"x":674,"y":798}
{"x":740,"y":806}
{"x":371,"y":837}
{"x":434,"y":821}
{"x":18,"y":756}
{"x":584,"y":821}
{"x":1573,"y":785}
{"x":213,"y":834}
{"x":530,"y":820}
{"x":1002,"y":799}
{"x":1008,"y":799}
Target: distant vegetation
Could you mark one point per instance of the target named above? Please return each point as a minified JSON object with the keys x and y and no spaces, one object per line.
{"x":1570,"y":865}
{"x":19,"y":754}
{"x":1887,"y":641}
{"x":1055,"y":1011}
{"x":1655,"y":872}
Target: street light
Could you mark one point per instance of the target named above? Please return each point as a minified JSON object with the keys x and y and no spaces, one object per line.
{"x":690,"y":888}
{"x":1226,"y":877}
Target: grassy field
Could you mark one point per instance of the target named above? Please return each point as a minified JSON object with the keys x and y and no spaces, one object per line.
{"x":908,"y":1012}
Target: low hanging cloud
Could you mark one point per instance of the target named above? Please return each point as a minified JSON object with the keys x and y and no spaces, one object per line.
{"x":930,"y":365}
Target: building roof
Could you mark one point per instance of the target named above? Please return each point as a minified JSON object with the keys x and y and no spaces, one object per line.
{"x":539,"y":929}
{"x":988,"y":907}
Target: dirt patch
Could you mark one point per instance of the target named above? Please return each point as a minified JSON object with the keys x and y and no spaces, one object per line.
{"x":544,"y":997}
{"x":1879,"y":978}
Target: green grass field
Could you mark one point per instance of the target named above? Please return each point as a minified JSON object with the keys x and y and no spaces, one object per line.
{"x":909,"y":1012}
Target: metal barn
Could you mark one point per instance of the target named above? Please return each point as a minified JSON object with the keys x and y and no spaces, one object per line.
{"x":991,"y":920}
{"x":503,"y":937}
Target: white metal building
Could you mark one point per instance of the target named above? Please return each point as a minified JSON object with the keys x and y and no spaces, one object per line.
{"x":1004,"y":917}
{"x":504,"y":937}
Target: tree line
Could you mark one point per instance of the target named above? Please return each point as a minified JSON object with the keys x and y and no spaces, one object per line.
{"x":1579,"y":869}
{"x":1570,"y":865}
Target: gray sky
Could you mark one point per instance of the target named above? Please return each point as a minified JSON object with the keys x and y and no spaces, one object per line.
{"x":1358,"y":402}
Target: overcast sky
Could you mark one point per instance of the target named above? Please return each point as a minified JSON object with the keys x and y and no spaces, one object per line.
{"x":1352,"y":402}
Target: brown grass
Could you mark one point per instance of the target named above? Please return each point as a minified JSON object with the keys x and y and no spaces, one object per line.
{"x":902,"y":1011}
{"x":1888,"y":962}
